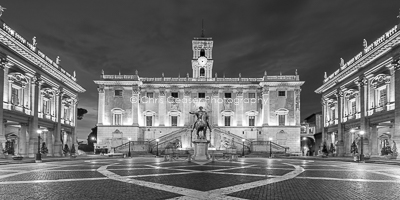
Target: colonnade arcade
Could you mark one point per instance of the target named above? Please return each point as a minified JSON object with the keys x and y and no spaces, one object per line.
{"x":366,"y":103}
{"x":34,"y":102}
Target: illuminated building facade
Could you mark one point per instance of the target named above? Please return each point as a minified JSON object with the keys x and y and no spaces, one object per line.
{"x":362,"y":95}
{"x":144,"y":109}
{"x":38,"y":94}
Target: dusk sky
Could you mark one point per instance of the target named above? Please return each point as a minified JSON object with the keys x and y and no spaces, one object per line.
{"x":250,"y":37}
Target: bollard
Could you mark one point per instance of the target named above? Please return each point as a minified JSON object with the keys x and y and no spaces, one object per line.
{"x":212,"y":158}
{"x":165,"y":158}
{"x":189,"y":158}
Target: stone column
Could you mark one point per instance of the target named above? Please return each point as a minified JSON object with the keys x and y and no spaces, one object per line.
{"x":239,"y":108}
{"x":265,"y":105}
{"x":101,"y":102}
{"x":49,"y":141}
{"x":135,"y":105}
{"x":364,"y":125}
{"x":23,"y":139}
{"x":340,"y":143}
{"x":162,"y":107}
{"x":375,"y":151}
{"x":33,"y":135}
{"x":57,"y":129}
{"x":396,"y":133}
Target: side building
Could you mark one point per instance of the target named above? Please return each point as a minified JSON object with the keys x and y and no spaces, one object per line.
{"x":145,"y":108}
{"x":38,"y":94}
{"x":361,"y":97}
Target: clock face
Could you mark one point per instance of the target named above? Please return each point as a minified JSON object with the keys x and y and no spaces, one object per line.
{"x":202,"y":61}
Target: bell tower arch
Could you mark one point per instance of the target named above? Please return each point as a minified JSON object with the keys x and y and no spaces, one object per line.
{"x":202,"y":61}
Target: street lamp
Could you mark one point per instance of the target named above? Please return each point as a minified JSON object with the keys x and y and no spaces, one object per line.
{"x":362,"y":144}
{"x":129,"y":152}
{"x":243,"y":146}
{"x":38,"y":155}
{"x":270,"y":147}
{"x":157,"y":140}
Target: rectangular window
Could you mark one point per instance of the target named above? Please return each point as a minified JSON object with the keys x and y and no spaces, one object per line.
{"x":353,"y":107}
{"x":202,"y":95}
{"x":117,"y":119}
{"x":382,"y":97}
{"x":14,"y":96}
{"x":228,"y":95}
{"x":149,"y":120}
{"x":118,"y":93}
{"x":281,"y":93}
{"x":252,"y":120}
{"x":281,"y":120}
{"x":174,"y":94}
{"x":252,"y":95}
{"x":174,"y":120}
{"x":46,"y":106}
{"x":227,"y":120}
{"x":66,"y":113}
{"x":149,"y":95}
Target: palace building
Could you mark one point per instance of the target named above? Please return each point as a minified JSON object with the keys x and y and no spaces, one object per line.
{"x":38,"y":94}
{"x":137,"y":108}
{"x":360,"y":98}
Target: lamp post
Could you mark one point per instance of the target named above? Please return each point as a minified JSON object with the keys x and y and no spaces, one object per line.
{"x":270,"y":147}
{"x":129,"y":151}
{"x":38,"y":155}
{"x":362,"y":144}
{"x":243,"y":147}
{"x":94,"y":146}
{"x":157,"y":140}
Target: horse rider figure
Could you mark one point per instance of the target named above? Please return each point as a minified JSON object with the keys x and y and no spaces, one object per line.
{"x":201,"y":117}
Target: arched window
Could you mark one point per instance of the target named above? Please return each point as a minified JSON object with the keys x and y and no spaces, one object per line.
{"x":202,"y":53}
{"x":117,"y":116}
{"x":202,"y":72}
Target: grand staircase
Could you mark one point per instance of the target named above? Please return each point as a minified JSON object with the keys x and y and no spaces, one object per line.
{"x":267,"y":148}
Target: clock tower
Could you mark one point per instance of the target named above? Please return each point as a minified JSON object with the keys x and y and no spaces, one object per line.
{"x":202,"y":61}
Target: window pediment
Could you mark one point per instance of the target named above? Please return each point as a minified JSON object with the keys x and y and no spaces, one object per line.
{"x":282,"y":111}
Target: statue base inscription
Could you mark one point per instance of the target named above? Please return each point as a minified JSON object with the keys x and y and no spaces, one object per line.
{"x":201,"y":150}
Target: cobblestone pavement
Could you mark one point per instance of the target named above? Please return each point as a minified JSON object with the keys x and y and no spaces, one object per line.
{"x":153,"y":178}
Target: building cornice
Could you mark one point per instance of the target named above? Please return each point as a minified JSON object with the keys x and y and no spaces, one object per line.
{"x":362,"y":59}
{"x":15,"y":42}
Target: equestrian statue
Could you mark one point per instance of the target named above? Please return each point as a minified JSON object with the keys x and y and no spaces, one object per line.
{"x":201,"y":123}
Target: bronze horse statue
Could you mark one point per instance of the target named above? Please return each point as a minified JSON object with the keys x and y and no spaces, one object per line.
{"x":201,"y":124}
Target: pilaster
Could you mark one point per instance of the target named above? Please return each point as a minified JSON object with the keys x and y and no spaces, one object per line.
{"x":265,"y":105}
{"x":161,"y":107}
{"x":57,"y":129}
{"x":135,"y":105}
{"x":186,"y":106}
{"x":34,"y":120}
{"x":3,"y":68}
{"x":364,"y":124}
{"x":396,"y":132}
{"x":215,"y":107}
{"x":340,"y":143}
{"x":239,"y":108}
{"x":101,"y":102}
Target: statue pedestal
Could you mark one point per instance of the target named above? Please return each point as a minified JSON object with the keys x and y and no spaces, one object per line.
{"x":201,"y":150}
